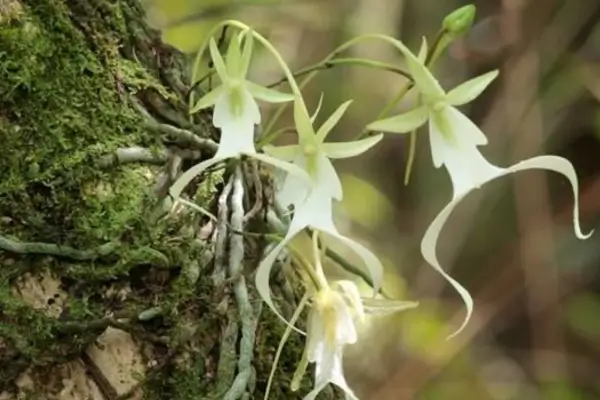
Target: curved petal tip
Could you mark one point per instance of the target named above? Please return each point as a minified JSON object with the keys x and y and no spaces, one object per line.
{"x":428,"y":249}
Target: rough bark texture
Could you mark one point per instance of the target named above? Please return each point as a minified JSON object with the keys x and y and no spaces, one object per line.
{"x":103,"y":292}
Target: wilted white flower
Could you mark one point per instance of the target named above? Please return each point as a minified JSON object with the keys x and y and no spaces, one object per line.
{"x":336,"y":310}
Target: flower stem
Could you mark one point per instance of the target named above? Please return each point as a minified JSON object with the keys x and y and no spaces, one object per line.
{"x":306,"y":266}
{"x":327,"y":64}
{"x":432,"y":55}
{"x":284,"y":338}
{"x":313,"y":70}
{"x":412,"y":147}
{"x":201,"y":50}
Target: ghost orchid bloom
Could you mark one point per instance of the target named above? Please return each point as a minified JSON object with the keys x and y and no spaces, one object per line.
{"x":332,"y":324}
{"x":330,"y":327}
{"x":336,"y":309}
{"x":454,"y":140}
{"x":235,"y":110}
{"x":313,"y":203}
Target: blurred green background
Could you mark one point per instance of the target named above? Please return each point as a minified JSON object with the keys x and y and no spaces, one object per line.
{"x":535,"y":333}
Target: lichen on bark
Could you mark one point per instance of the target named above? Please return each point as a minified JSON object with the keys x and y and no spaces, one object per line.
{"x":80,"y":80}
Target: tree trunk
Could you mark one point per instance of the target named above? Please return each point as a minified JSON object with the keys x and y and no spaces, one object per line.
{"x":105,"y":291}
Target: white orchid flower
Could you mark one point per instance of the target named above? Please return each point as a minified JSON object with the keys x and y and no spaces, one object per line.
{"x":235,"y":110}
{"x":454,"y":140}
{"x":313,"y":203}
{"x":331,"y":325}
{"x":336,"y":310}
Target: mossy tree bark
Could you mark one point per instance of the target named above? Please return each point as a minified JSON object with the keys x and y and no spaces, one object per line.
{"x":94,"y":127}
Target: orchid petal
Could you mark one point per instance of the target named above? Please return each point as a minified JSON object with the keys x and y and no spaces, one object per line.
{"x":328,"y":178}
{"x":293,"y":191}
{"x":350,"y":292}
{"x":471,"y":89}
{"x":330,"y":369}
{"x":467,"y":167}
{"x":244,"y":114}
{"x":181,"y":182}
{"x":428,"y":248}
{"x":236,"y":138}
{"x":403,"y":123}
{"x":426,"y":83}
{"x":246,"y":54}
{"x":317,"y":389}
{"x":263,"y":274}
{"x":218,"y":61}
{"x":285,"y":153}
{"x":286,"y":166}
{"x":345,"y":330}
{"x":370,"y":260}
{"x":324,"y":365}
{"x":306,"y":132}
{"x":315,"y":336}
{"x":550,"y":163}
{"x":565,"y":168}
{"x":268,"y":95}
{"x":333,"y":119}
{"x":468,"y":170}
{"x":464,"y":130}
{"x":315,"y":212}
{"x":350,"y":149}
{"x":437,"y":142}
{"x":319,"y":104}
{"x":422,"y":56}
{"x":338,"y":379}
{"x":385,"y":306}
{"x":451,"y":134}
{"x":208,"y":100}
{"x":233,"y":58}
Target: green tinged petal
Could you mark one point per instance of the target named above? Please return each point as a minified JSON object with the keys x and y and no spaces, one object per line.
{"x":564,"y":167}
{"x":246,"y":53}
{"x":403,"y":123}
{"x":351,"y":295}
{"x":471,"y":89}
{"x":306,"y":132}
{"x":286,"y":153}
{"x":286,"y":166}
{"x":350,"y":149}
{"x":428,"y":249}
{"x":234,"y":57}
{"x":422,"y":56}
{"x":218,"y":61}
{"x":424,"y":80}
{"x":370,"y":260}
{"x":208,"y":100}
{"x":314,"y":116}
{"x":385,"y":306}
{"x":263,"y":274}
{"x":429,"y":242}
{"x":332,"y":121}
{"x":266,"y":94}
